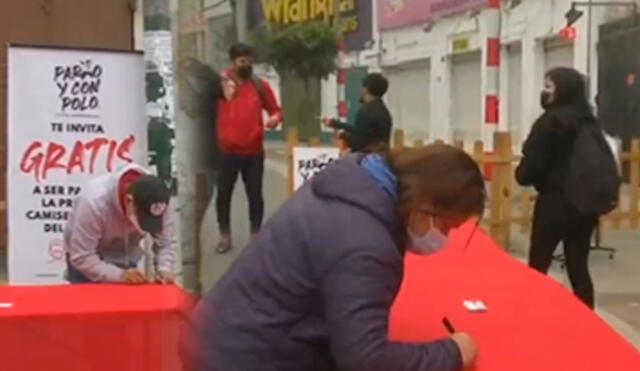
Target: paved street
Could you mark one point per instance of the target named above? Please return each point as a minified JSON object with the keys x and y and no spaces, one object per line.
{"x":274,"y":190}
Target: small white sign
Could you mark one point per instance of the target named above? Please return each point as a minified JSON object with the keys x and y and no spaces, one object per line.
{"x":309,"y":161}
{"x":474,"y":305}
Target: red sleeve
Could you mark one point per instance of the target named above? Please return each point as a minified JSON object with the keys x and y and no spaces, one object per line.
{"x":271,"y":104}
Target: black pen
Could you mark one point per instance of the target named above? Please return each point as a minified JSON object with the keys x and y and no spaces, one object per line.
{"x":448,"y":325}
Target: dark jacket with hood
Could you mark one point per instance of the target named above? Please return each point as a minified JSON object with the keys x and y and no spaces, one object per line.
{"x":313,"y":291}
{"x":371,"y":128}
{"x":546,"y":152}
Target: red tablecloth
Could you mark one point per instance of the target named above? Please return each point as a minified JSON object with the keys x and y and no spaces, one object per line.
{"x":91,"y":328}
{"x":532,"y":323}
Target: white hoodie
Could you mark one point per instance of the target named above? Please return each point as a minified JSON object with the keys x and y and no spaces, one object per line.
{"x":99,"y":237}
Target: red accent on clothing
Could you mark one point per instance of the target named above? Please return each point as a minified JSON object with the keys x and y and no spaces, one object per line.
{"x":494,"y":4}
{"x":127,"y":178}
{"x":240,"y":124}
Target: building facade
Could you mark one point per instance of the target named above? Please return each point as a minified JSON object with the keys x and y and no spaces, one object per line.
{"x":438,"y":57}
{"x":438,"y":60}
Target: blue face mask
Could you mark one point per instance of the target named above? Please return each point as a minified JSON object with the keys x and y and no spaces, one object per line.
{"x":432,"y":242}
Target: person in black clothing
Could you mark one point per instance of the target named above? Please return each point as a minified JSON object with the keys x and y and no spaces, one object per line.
{"x":545,"y":165}
{"x":372,"y":127}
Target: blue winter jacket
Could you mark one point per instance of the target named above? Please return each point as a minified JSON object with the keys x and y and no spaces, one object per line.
{"x":314,"y":289}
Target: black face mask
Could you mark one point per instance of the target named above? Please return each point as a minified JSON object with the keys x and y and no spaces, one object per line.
{"x":545,"y":98}
{"x":245,"y":72}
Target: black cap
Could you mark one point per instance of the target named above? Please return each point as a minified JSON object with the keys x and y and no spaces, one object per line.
{"x":151,"y":199}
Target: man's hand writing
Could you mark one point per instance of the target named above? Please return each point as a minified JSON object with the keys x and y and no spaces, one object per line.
{"x":165,"y":278}
{"x":133,"y":277}
{"x":468,"y":348}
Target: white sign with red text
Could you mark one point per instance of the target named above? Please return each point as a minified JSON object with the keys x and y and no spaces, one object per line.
{"x":73,"y":114}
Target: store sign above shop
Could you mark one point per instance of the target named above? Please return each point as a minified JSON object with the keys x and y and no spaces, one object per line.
{"x":355,"y":16}
{"x":400,"y":13}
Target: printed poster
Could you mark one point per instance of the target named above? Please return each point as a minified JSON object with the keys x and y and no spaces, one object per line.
{"x":309,"y":161}
{"x":72,"y":115}
{"x":158,"y":54}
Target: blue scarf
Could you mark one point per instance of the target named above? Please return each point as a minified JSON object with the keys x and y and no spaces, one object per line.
{"x":377,"y":169}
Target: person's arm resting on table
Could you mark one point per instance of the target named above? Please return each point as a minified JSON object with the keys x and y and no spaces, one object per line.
{"x":83,"y":245}
{"x":359,"y":292}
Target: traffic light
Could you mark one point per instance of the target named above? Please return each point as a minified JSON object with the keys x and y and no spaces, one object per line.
{"x":573,"y":15}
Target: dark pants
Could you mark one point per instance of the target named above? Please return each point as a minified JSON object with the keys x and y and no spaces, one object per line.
{"x":251,"y":168}
{"x":554,"y":220}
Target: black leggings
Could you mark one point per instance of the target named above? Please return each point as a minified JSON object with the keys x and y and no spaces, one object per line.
{"x":251,"y":168}
{"x":554,"y":220}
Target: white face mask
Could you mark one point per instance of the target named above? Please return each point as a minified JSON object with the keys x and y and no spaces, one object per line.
{"x":432,"y":242}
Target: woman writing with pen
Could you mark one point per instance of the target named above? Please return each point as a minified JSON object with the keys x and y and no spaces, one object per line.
{"x":313,"y":290}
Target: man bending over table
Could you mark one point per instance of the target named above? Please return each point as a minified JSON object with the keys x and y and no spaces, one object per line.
{"x":109,"y":219}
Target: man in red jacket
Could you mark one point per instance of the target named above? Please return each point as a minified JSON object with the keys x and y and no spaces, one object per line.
{"x":241,"y":138}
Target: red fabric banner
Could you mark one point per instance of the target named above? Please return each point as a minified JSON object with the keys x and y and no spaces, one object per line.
{"x":532,"y":323}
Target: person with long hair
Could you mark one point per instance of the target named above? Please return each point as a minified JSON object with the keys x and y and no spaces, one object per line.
{"x":546,"y":165}
{"x":314,"y":289}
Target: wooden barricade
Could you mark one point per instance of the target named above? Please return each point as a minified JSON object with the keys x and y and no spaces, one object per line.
{"x":627,"y":214}
{"x":398,"y":138}
{"x":501,"y":190}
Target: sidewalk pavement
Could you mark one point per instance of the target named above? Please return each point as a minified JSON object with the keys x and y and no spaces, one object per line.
{"x":215,"y":264}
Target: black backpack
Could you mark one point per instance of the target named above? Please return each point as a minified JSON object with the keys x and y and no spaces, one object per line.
{"x":257,"y":82}
{"x":593,"y":179}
